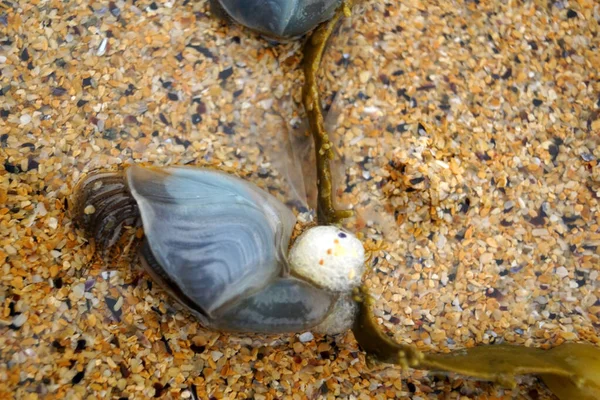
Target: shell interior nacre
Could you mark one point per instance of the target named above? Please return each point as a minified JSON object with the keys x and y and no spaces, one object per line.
{"x":214,"y":235}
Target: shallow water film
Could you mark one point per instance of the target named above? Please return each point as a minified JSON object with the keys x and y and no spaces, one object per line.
{"x":466,"y":140}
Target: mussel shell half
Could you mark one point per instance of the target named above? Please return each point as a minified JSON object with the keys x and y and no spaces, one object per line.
{"x":215,"y":236}
{"x":280,"y":18}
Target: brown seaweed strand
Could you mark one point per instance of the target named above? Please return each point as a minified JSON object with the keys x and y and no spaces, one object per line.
{"x":313,"y":53}
{"x":378,"y":346}
{"x":571,"y":370}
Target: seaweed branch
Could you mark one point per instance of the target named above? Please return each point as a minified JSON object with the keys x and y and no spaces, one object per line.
{"x":313,"y":53}
{"x":571,"y":371}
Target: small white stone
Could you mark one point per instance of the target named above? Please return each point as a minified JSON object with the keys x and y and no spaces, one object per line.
{"x":540,"y":232}
{"x":444,"y":279}
{"x":561,"y":272}
{"x":372,"y":110}
{"x":106,"y":275}
{"x":19,"y":320}
{"x":364,"y":76}
{"x":441,"y":241}
{"x":78,"y":291}
{"x":216,"y":355}
{"x":10,"y":250}
{"x":89,"y":210}
{"x":102,"y":48}
{"x":486,"y":258}
{"x":573,"y":285}
{"x":41,"y":209}
{"x":52,"y":223}
{"x":442,"y":164}
{"x":25,"y":119}
{"x":266,"y":104}
{"x":306,"y":337}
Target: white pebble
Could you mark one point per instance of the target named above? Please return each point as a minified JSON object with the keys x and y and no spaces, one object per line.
{"x":25,"y":119}
{"x":19,"y":320}
{"x":102,"y":48}
{"x":540,"y":232}
{"x":266,"y":104}
{"x":561,"y":272}
{"x":372,"y":110}
{"x":441,"y":241}
{"x":52,"y":223}
{"x":306,"y":337}
{"x":364,"y":76}
{"x":442,"y":164}
{"x":486,"y":258}
{"x":89,"y":210}
{"x":78,"y":291}
{"x":444,"y":278}
{"x":573,"y":285}
{"x":10,"y":250}
{"x":106,"y":275}
{"x":216,"y":355}
{"x":41,"y":209}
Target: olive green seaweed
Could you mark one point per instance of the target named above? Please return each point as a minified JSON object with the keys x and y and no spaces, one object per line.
{"x":570,"y":370}
{"x":313,"y":52}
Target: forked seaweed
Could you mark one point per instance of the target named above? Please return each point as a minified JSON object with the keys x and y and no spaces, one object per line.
{"x":313,"y":53}
{"x":571,"y":370}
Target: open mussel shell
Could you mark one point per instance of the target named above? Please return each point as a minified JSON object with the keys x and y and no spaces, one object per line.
{"x":214,"y":235}
{"x":215,"y":242}
{"x":281,"y":19}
